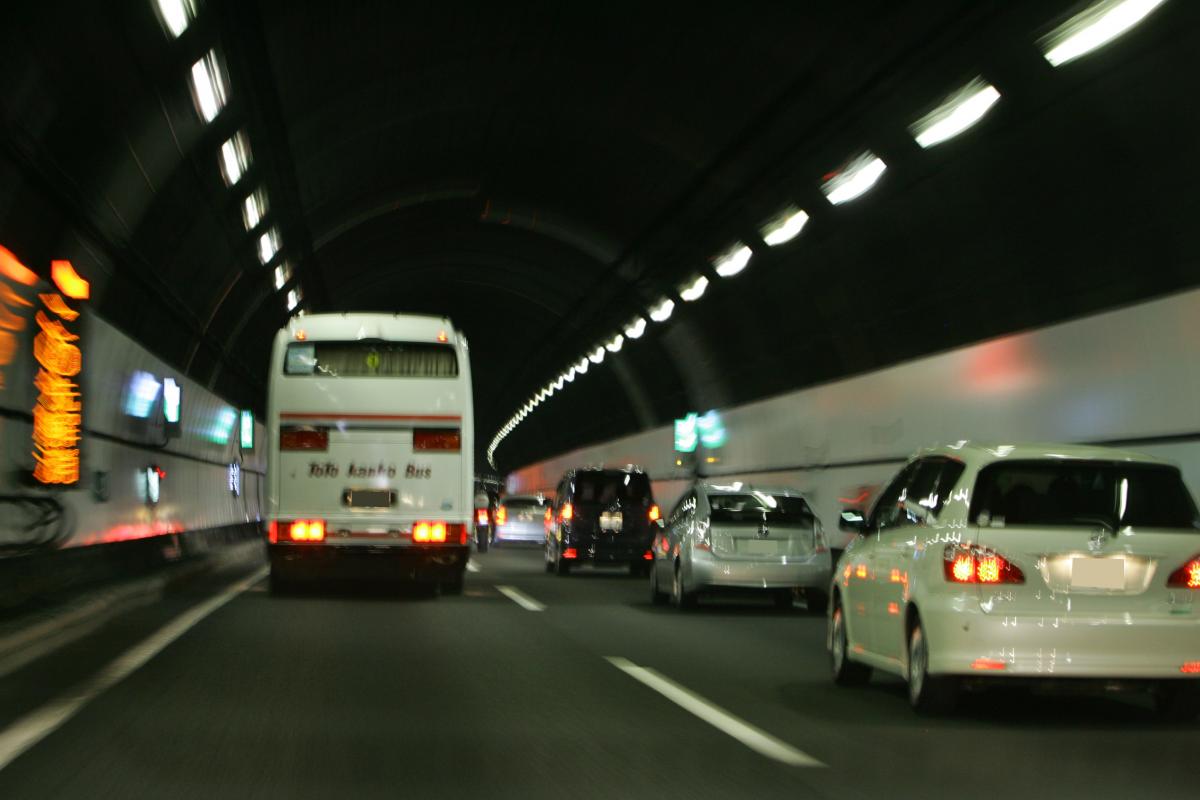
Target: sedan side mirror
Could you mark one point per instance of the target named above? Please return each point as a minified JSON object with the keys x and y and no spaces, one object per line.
{"x":852,"y":520}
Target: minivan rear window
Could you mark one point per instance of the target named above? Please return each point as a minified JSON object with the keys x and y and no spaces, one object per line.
{"x":371,"y":359}
{"x":759,"y":507}
{"x":607,"y":488}
{"x":1075,"y":493}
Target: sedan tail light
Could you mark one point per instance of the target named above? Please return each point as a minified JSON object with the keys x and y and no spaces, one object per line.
{"x":448,"y":439}
{"x":1187,"y":576}
{"x":303,"y":438}
{"x":975,"y":564}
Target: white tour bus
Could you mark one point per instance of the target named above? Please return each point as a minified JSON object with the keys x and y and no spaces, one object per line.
{"x":370,"y":461}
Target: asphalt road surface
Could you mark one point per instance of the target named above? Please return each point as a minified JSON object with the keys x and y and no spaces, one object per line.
{"x":533,"y":686}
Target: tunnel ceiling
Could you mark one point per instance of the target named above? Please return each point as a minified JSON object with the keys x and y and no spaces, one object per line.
{"x":543,"y":172}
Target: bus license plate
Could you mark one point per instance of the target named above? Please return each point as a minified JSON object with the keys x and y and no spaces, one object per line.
{"x":610,"y":521}
{"x":369,"y":498}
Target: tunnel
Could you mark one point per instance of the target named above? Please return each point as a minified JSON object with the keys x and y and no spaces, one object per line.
{"x":506,"y":400}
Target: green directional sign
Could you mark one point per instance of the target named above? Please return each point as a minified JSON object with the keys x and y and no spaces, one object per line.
{"x":711,"y":430}
{"x":686,"y":435}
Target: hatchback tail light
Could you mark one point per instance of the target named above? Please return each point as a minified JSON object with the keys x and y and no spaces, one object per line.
{"x":307,"y":530}
{"x":448,"y":439}
{"x":1187,"y":576}
{"x":303,"y":438}
{"x":501,"y":515}
{"x":975,"y":564}
{"x":655,"y":513}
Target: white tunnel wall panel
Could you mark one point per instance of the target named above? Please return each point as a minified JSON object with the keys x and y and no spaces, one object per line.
{"x":110,"y":502}
{"x":1130,"y":376}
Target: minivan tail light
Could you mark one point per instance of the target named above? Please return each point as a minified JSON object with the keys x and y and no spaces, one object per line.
{"x":975,"y":564}
{"x":303,"y":438}
{"x":566,"y":512}
{"x":448,"y":439}
{"x":307,"y":530}
{"x":1187,"y":576}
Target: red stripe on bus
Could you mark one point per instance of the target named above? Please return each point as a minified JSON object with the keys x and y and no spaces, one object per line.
{"x":436,"y":417}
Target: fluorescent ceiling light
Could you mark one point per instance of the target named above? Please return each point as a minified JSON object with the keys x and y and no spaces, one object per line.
{"x":582,"y":366}
{"x":1093,"y":28}
{"x":268,"y":246}
{"x":283,"y":274}
{"x":693,"y":290}
{"x":558,"y":382}
{"x":957,"y":112}
{"x":636,"y":328}
{"x":597,"y":355}
{"x":662,"y":311}
{"x":293,"y":298}
{"x":235,"y":158}
{"x":614,"y":344}
{"x":254,"y":207}
{"x":569,"y":375}
{"x":733,"y":260}
{"x":854,"y":179}
{"x":208,"y":88}
{"x":784,"y":227}
{"x":176,"y":14}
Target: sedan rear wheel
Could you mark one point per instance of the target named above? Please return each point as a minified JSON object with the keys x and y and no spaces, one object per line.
{"x":927,"y":694}
{"x":845,"y":671}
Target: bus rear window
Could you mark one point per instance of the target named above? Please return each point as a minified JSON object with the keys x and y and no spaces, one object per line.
{"x":371,"y":360}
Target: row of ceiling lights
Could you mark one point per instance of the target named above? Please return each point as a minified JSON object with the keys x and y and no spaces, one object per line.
{"x":1088,"y":30}
{"x":208,"y":85}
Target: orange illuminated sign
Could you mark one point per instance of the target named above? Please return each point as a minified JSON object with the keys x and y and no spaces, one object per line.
{"x":58,"y":415}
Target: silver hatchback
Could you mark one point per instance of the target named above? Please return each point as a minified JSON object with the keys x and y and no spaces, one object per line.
{"x":521,"y":518}
{"x":741,"y":538}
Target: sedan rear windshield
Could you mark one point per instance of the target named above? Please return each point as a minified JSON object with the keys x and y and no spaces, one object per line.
{"x":371,"y":359}
{"x":606,"y":488}
{"x":759,"y":507}
{"x":1075,"y":493}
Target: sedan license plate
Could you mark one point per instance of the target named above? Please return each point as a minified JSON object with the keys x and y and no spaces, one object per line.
{"x":610,"y":521}
{"x":1097,"y":573}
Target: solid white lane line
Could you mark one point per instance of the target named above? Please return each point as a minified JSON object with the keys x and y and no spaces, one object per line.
{"x":472,"y":566}
{"x":520,"y":598}
{"x":754,"y":738}
{"x":27,"y":731}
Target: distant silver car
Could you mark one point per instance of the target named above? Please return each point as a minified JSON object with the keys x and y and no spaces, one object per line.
{"x":741,"y":537}
{"x":521,"y":518}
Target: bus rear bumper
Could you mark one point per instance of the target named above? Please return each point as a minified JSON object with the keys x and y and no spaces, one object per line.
{"x":293,"y":562}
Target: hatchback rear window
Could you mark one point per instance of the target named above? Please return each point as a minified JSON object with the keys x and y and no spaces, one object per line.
{"x":1117,"y":494}
{"x":607,"y":488}
{"x":524,"y":503}
{"x":759,"y":507}
{"x":372,"y":359}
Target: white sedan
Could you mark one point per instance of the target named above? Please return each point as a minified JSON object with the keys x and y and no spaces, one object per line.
{"x":1023,"y":562}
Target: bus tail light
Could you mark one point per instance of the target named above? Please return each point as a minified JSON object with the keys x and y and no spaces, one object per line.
{"x":273,"y":531}
{"x":439,"y":532}
{"x":307,"y":530}
{"x":448,"y":439}
{"x":975,"y":564}
{"x":303,"y":438}
{"x":1187,"y":576}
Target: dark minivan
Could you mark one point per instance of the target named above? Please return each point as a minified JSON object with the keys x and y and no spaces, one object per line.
{"x":603,"y":517}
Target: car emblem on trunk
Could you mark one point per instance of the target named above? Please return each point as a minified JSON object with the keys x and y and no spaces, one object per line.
{"x":1096,"y":540}
{"x":764,"y":531}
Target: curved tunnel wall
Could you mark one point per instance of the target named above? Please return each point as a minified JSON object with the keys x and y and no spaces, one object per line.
{"x":110,"y":503}
{"x":1127,"y":377}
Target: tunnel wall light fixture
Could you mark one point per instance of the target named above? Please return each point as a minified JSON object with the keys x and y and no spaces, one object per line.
{"x":635,"y":328}
{"x":733,"y":260}
{"x":693,"y":290}
{"x":955,"y":114}
{"x":268,"y":246}
{"x":784,"y":226}
{"x":854,"y":179}
{"x":1093,"y":28}
{"x":283,"y":273}
{"x":235,"y":158}
{"x":175,"y":15}
{"x":614,"y":344}
{"x":254,"y":208}
{"x":208,"y":86}
{"x":662,"y":310}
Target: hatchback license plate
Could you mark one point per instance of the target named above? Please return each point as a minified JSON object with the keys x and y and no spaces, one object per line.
{"x":1097,"y":573}
{"x":758,"y":547}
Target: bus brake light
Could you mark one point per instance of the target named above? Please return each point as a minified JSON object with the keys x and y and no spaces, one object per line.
{"x":307,"y":530}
